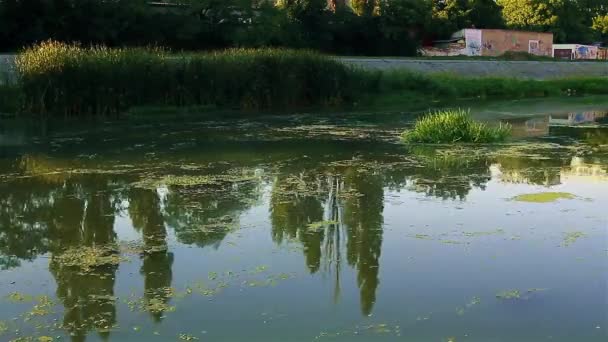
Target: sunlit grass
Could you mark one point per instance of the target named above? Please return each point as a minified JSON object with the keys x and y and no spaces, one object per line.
{"x":453,"y":126}
{"x":70,"y":80}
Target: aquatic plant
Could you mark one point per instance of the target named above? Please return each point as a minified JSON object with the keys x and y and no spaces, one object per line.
{"x":509,"y":294}
{"x":572,"y":237}
{"x":88,"y":258}
{"x":544,"y":197}
{"x":452,"y":126}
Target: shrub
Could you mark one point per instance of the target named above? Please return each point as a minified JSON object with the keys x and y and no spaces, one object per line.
{"x":58,"y":78}
{"x":522,"y":56}
{"x":453,"y":126}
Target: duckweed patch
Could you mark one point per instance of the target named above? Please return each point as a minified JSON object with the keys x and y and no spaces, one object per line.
{"x":322,"y":224}
{"x":571,"y":237}
{"x":382,"y":329}
{"x":462,"y":310}
{"x":517,"y":294}
{"x":89,"y":258}
{"x":509,"y":294}
{"x":544,"y":197}
{"x":196,"y":180}
{"x":483,"y":233}
{"x":17,"y":297}
{"x":3,"y":327}
{"x":43,"y":307}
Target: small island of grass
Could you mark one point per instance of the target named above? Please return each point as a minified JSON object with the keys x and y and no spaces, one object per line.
{"x":452,"y":126}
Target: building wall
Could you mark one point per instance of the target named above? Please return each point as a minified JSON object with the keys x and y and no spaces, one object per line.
{"x":497,"y":42}
{"x":578,"y":51}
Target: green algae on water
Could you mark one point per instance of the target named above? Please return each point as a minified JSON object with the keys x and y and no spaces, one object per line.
{"x":3,"y":327}
{"x":88,"y":258}
{"x":572,"y":237}
{"x":321,"y":224}
{"x":544,"y":197}
{"x":509,"y":294}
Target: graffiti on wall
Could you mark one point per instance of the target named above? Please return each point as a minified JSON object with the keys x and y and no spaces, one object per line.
{"x":586,"y":52}
{"x":473,"y":42}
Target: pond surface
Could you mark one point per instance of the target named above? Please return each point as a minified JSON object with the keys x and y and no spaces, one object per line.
{"x":303,"y":229}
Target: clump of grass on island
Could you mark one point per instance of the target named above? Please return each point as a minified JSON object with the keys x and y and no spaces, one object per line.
{"x":454,"y":126}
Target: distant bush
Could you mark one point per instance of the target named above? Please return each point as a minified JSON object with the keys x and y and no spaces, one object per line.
{"x":522,"y":56}
{"x":454,"y":126}
{"x":58,"y":78}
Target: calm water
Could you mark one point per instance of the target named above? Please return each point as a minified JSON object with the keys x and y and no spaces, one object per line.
{"x":303,"y":229}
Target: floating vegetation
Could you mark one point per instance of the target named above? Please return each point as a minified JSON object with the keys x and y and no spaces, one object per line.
{"x":474,"y":301}
{"x":452,"y":126}
{"x":509,"y":294}
{"x":158,"y":305}
{"x":486,"y":233}
{"x":572,"y":237}
{"x":322,"y":224}
{"x":371,"y":329}
{"x":187,"y":337}
{"x":16,"y":297}
{"x":232,"y":176}
{"x":544,"y":197}
{"x":42,"y":308}
{"x":88,"y":258}
{"x":3,"y":327}
{"x":517,"y":294}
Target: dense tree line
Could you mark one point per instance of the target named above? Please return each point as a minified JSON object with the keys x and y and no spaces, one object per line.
{"x":358,"y":27}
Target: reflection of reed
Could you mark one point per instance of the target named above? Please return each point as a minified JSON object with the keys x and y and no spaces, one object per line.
{"x":586,"y":172}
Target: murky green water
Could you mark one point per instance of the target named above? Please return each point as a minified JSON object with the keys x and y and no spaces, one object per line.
{"x":303,"y":229}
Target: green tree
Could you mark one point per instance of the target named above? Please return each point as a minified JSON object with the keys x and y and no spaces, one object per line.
{"x":401,"y":23}
{"x":450,"y":16}
{"x":365,"y":7}
{"x":569,"y":20}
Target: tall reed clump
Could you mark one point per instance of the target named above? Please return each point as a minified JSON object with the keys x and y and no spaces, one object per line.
{"x":452,"y":126}
{"x":70,"y":80}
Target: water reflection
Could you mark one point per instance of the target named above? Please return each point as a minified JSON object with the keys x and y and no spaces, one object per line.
{"x":145,"y":212}
{"x":335,"y":211}
{"x":83,"y":216}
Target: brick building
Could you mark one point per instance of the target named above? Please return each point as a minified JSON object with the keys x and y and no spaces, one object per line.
{"x":489,"y":42}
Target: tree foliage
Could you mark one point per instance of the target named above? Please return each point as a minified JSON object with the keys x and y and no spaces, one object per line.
{"x":366,"y":27}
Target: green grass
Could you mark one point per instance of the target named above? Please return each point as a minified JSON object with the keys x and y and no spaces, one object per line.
{"x":452,"y":126}
{"x":69,"y":80}
{"x":57,"y":79}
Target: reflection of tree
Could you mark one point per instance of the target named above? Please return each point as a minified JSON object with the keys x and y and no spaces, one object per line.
{"x":84,"y":216}
{"x":443,"y":175}
{"x":25,"y":213}
{"x":363,"y":217}
{"x":145,"y":212}
{"x":292,"y":213}
{"x":204,"y":215}
{"x":352,"y":203}
{"x":516,"y":169}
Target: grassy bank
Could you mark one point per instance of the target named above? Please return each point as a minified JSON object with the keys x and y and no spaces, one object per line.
{"x":68,"y":80}
{"x":64,"y":80}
